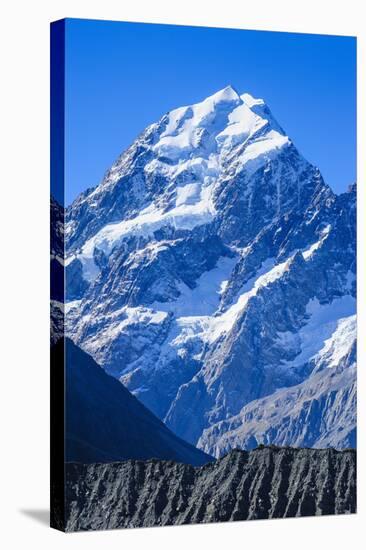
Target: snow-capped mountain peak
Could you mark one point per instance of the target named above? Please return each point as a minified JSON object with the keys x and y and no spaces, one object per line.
{"x":227,"y":95}
{"x":177,"y":168}
{"x":192,"y":270}
{"x":214,"y":126}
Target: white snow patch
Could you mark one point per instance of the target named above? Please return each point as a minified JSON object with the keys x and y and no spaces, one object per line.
{"x":119,"y":323}
{"x":188,"y":194}
{"x":310,"y":251}
{"x":251,"y":101}
{"x":340,"y":342}
{"x":223,"y":323}
{"x":242,"y":122}
{"x":322,"y":323}
{"x":72,"y":305}
{"x":204,"y":299}
{"x":138,"y":315}
{"x":183,"y":216}
{"x":223,"y":286}
{"x":194,"y":312}
{"x":264,"y":146}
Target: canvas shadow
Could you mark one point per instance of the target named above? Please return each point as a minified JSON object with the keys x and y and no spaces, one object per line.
{"x":37,"y":514}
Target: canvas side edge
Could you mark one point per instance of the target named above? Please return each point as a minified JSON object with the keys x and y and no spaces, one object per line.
{"x":57,"y":389}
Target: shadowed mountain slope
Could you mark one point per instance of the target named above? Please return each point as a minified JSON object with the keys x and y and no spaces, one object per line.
{"x":105,"y":423}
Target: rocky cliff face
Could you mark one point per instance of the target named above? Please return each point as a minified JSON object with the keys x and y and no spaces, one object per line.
{"x":320,"y":412}
{"x":57,"y":254}
{"x":212,"y":268}
{"x":263,"y":483}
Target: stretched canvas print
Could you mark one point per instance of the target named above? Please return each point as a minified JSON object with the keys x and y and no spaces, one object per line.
{"x":203,"y":275}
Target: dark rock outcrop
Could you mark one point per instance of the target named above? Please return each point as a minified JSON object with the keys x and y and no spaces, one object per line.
{"x":268,"y":482}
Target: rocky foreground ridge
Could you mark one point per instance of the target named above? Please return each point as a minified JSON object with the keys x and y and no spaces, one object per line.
{"x":268,"y":482}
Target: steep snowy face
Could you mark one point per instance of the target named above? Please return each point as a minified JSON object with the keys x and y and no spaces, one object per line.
{"x":295,"y":318}
{"x":213,"y":267}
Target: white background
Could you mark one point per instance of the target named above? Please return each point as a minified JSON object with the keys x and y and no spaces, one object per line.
{"x":24,"y":190}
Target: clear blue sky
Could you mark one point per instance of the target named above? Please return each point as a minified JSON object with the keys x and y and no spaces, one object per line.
{"x":120,"y":77}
